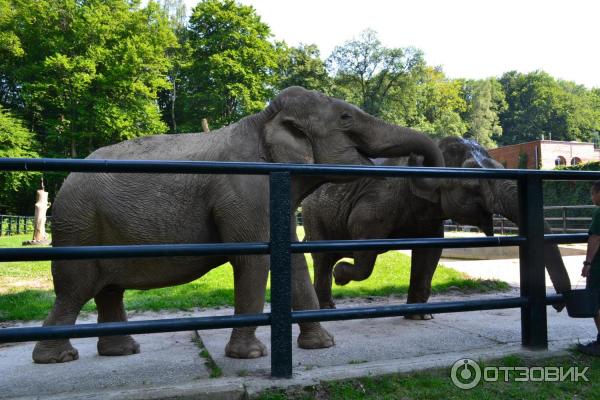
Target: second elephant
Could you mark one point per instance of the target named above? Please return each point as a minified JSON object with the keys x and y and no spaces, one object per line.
{"x":400,"y":208}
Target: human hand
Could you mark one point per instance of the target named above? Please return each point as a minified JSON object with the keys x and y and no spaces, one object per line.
{"x":585,"y":271}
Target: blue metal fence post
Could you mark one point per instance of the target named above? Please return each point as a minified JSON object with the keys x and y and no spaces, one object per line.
{"x":534,"y":330}
{"x":281,"y":275}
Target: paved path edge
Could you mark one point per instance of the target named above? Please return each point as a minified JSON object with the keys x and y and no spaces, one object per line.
{"x":251,"y":387}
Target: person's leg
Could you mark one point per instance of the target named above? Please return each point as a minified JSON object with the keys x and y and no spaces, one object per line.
{"x":593,"y":348}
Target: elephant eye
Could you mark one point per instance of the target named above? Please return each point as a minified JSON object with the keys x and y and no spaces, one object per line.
{"x":346,"y":117}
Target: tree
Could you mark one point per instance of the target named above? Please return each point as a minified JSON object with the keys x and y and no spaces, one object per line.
{"x":302,"y":66}
{"x":438,"y":105}
{"x":90,"y":71}
{"x":230,"y":74}
{"x":15,"y":142}
{"x":179,"y":56}
{"x":485,"y":99}
{"x":540,"y":106}
{"x":366,"y":72}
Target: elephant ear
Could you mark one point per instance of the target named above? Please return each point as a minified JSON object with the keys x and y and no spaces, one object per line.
{"x":418,"y":187}
{"x":286,"y":142}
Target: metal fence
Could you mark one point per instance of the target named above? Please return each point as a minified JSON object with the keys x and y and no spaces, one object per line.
{"x":559,"y":218}
{"x":532,"y":299}
{"x":19,"y":224}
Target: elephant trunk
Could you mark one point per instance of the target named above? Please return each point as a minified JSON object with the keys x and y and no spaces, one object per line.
{"x":507,"y":205}
{"x":387,"y":140}
{"x":379,"y":139}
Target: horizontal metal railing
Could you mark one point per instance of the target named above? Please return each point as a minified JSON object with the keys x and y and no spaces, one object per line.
{"x":532,"y":300}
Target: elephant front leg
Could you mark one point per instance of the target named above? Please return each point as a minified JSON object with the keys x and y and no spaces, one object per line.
{"x":250,"y":281}
{"x":422,"y":267}
{"x":323,"y":266}
{"x":364,"y":262}
{"x":312,"y":334}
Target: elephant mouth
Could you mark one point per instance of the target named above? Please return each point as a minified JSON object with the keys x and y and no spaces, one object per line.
{"x":363,"y":158}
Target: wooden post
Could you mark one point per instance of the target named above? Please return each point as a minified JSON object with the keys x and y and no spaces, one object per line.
{"x":39,"y":227}
{"x":205,"y":128}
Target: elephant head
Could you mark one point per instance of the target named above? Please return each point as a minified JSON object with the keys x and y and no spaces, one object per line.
{"x":474,"y":201}
{"x":302,"y":126}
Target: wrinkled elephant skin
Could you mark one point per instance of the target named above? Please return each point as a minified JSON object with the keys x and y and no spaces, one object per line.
{"x":299,"y":126}
{"x":403,"y":208}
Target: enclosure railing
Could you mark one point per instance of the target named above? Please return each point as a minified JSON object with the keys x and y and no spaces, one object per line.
{"x":19,"y":224}
{"x":532,"y":299}
{"x":564,"y":223}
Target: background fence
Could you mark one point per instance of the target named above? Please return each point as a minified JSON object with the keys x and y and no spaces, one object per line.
{"x":562,"y":219}
{"x":19,"y":224}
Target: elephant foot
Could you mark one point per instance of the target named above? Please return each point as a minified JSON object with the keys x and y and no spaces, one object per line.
{"x":340,"y":273}
{"x":315,"y":338}
{"x":245,"y":347}
{"x":327,"y":304}
{"x":54,"y":351}
{"x":117,"y":346}
{"x":419,"y":317}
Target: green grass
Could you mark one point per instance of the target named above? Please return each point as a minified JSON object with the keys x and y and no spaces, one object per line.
{"x":26,"y":291}
{"x":436,"y":384}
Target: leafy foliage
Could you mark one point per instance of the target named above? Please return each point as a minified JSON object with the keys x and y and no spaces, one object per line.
{"x":540,"y":106}
{"x":230,"y":73}
{"x":571,"y":193}
{"x":85,"y":74}
{"x":302,"y":66}
{"x":365,"y":72}
{"x":89,"y":72}
{"x":15,"y":142}
{"x":485,"y":100}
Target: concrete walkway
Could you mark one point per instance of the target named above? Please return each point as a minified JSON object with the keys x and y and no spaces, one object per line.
{"x":170,"y":365}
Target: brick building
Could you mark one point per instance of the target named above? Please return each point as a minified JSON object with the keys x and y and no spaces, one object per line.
{"x":545,"y":154}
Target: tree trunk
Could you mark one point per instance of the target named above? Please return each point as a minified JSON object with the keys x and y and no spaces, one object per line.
{"x":173,"y":98}
{"x":205,"y":128}
{"x":39,"y":230}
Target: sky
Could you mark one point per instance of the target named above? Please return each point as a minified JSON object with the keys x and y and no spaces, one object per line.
{"x":468,"y":38}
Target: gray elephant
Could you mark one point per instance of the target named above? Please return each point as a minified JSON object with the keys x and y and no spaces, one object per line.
{"x":401,"y":208}
{"x":298,"y":126}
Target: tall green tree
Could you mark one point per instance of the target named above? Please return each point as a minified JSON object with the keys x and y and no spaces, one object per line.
{"x":541,"y":106}
{"x":15,"y":142}
{"x":302,"y":66}
{"x":233,"y":59}
{"x":485,"y":100}
{"x":366,"y":72}
{"x":438,"y":105}
{"x":180,"y":56}
{"x":90,"y":71}
{"x":10,"y":51}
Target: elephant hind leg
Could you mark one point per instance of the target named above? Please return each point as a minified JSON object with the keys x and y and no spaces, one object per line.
{"x":64,"y":312}
{"x":109,"y":302}
{"x":71,"y":295}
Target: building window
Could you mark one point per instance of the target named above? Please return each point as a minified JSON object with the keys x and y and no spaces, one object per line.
{"x":560,"y":160}
{"x":575,"y":160}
